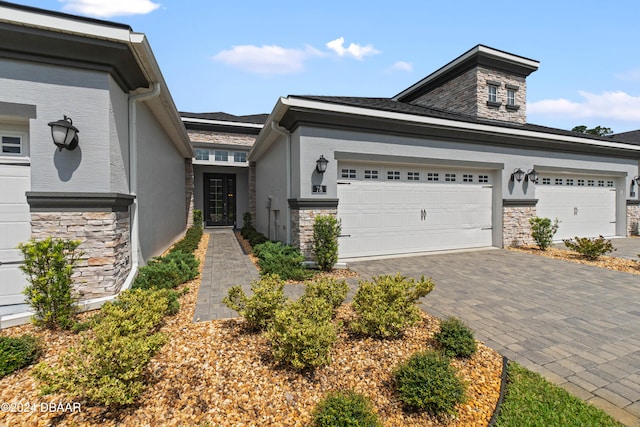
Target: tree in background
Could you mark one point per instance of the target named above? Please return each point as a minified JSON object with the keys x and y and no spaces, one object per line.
{"x":598,"y":130}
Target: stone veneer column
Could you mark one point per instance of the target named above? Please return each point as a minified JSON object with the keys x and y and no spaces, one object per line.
{"x":189,"y":180}
{"x":303,"y":215}
{"x":633,"y":217}
{"x":516,"y":230}
{"x":252,"y":190}
{"x":101,"y":222}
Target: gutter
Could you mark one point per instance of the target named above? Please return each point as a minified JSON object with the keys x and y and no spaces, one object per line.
{"x":282,"y":131}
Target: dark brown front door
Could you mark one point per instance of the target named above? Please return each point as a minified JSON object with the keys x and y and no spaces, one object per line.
{"x":220,"y":199}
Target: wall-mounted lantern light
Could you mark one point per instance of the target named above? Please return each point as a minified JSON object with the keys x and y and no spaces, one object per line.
{"x":517,"y":174}
{"x":64,"y":133}
{"x":532,"y":176}
{"x":636,"y":179}
{"x":321,"y":164}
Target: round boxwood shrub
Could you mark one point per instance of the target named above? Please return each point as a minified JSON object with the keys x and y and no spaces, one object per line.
{"x":455,"y":338}
{"x":345,"y":408}
{"x":428,"y":382}
{"x":16,"y":353}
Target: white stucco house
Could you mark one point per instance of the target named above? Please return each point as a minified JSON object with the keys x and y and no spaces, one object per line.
{"x":125,"y":190}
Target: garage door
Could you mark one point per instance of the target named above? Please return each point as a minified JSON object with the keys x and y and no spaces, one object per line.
{"x":585,"y":206}
{"x":392,"y":210}
{"x":15,"y":227}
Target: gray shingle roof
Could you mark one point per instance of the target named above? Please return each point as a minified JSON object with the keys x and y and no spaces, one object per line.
{"x":631,"y":137}
{"x":226,"y":117}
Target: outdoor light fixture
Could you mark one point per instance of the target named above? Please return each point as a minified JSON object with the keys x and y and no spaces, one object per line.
{"x":636,"y":179}
{"x":64,"y":133}
{"x":532,"y":176}
{"x":321,"y":164}
{"x":517,"y":174}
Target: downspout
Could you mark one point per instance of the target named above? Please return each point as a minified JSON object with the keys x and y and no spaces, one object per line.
{"x":136,"y":254}
{"x":284,"y":132}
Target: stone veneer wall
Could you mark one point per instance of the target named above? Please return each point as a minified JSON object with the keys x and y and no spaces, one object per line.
{"x":633,"y":219}
{"x":516,"y":230}
{"x":221,"y":137}
{"x":189,"y":185}
{"x":252,"y":190}
{"x":457,"y":95}
{"x":106,"y":262}
{"x":302,"y":227}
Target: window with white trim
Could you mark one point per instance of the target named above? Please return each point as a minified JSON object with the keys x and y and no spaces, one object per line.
{"x":348,"y":173}
{"x":609,"y":183}
{"x":558,"y":181}
{"x":413,"y":176}
{"x":450,"y":177}
{"x":492,"y":93}
{"x":433,"y":176}
{"x":393,"y":175}
{"x":370,"y":174}
{"x":467,"y":178}
{"x":221,"y":156}
{"x":569,"y":181}
{"x":240,"y":157}
{"x":581,"y":183}
{"x":202,"y":153}
{"x":11,"y":145}
{"x":546,"y":181}
{"x":511,"y":97}
{"x":591,"y":183}
{"x":600,"y":183}
{"x":483,"y":178}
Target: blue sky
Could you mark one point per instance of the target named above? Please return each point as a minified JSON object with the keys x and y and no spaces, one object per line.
{"x":240,"y":56}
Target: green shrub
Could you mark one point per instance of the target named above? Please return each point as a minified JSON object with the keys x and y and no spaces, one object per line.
{"x":190,"y":241}
{"x":259,"y":309}
{"x":326,"y":230}
{"x":197,"y":218}
{"x":590,"y":248}
{"x":108,"y":367}
{"x":247,"y":220}
{"x":16,"y":353}
{"x":345,"y":409}
{"x":283,"y":260}
{"x":428,"y":382}
{"x":48,"y":265}
{"x":387,"y":305}
{"x":332,"y":291}
{"x":167,"y":272}
{"x":542,"y":231}
{"x":455,"y":338}
{"x":186,"y":262}
{"x":301,"y":334}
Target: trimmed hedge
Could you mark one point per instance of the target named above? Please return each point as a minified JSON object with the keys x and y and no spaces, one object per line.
{"x":345,"y":408}
{"x":455,"y":338}
{"x":190,"y":241}
{"x":283,"y":260}
{"x":16,"y":353}
{"x":259,"y":309}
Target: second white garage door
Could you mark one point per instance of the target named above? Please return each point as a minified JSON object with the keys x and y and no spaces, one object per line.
{"x":583,"y":210}
{"x":388,"y":216}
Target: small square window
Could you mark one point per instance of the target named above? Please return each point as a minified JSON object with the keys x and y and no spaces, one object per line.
{"x":591,"y":183}
{"x":546,"y":181}
{"x":492,"y":93}
{"x":467,"y":178}
{"x":413,"y":176}
{"x":221,"y":156}
{"x":450,"y":177}
{"x":609,"y":183}
{"x":569,"y":181}
{"x":370,"y":174}
{"x":600,"y":183}
{"x":431,"y":176}
{"x":348,"y":173}
{"x":483,"y":178}
{"x":11,"y":145}
{"x":240,"y":157}
{"x":393,"y":175}
{"x":511,"y":97}
{"x":581,"y":183}
{"x":202,"y":154}
{"x":558,"y":181}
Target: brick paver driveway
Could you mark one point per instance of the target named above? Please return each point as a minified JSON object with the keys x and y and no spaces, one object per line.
{"x":577,"y":325}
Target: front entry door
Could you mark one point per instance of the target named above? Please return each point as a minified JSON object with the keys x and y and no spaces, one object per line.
{"x":220,"y":199}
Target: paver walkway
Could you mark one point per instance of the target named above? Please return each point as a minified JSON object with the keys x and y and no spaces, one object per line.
{"x":577,"y":325}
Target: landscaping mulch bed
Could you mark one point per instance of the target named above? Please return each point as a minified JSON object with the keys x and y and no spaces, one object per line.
{"x":612,"y":263}
{"x":217,"y":374}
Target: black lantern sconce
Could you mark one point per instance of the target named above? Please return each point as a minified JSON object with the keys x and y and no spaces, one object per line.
{"x":321,"y":164}
{"x":517,"y":174}
{"x":532,"y":176}
{"x":64,"y":133}
{"x":636,"y":179}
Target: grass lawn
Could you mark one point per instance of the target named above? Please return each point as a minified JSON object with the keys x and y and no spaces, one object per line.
{"x":531,"y":400}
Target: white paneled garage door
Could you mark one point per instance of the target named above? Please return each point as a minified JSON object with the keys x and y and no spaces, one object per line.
{"x":15,"y":227}
{"x":585,"y":206}
{"x":393,"y":210}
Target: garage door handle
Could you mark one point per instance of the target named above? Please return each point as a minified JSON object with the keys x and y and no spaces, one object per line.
{"x":344,"y":183}
{"x":11,"y":262}
{"x":344,"y":235}
{"x":487,"y":228}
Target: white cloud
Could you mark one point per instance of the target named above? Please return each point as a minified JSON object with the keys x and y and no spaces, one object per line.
{"x":109,"y":8}
{"x":609,"y":105}
{"x":267,"y":60}
{"x":402,"y":66}
{"x":355,"y":50}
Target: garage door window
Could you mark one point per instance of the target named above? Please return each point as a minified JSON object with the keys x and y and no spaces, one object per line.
{"x":413,"y":176}
{"x":11,"y":145}
{"x":450,"y":177}
{"x":483,"y":178}
{"x":348,"y":173}
{"x":609,"y":183}
{"x":370,"y":174}
{"x":467,"y":178}
{"x":432,"y":176}
{"x":393,"y":175}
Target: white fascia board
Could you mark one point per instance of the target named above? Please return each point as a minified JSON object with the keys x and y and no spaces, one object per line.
{"x":63,"y":24}
{"x":222,"y":122}
{"x":450,"y":124}
{"x":266,"y":136}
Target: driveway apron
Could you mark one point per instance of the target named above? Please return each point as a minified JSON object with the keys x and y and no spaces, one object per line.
{"x":577,"y":325}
